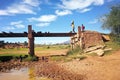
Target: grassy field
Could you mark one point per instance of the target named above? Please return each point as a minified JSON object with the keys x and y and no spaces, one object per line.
{"x":56,"y":50}
{"x":53,"y":50}
{"x":42,"y":50}
{"x":39,"y":51}
{"x":114,"y":43}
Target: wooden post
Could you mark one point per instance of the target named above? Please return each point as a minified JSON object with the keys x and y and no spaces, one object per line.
{"x":80,"y":37}
{"x":79,"y":31}
{"x":30,"y":41}
{"x":72,"y":42}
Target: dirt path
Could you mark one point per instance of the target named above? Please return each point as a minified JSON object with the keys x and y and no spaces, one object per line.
{"x":97,"y":68}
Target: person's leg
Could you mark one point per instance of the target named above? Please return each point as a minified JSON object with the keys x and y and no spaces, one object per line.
{"x":74,"y":30}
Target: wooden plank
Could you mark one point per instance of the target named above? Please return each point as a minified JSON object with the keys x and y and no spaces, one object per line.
{"x":25,"y":34}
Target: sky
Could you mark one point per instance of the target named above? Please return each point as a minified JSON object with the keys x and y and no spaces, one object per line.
{"x":52,"y":16}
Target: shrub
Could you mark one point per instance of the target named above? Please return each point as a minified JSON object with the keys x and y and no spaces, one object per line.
{"x":31,"y":58}
{"x":76,"y":50}
{"x":115,"y":38}
{"x":5,"y":58}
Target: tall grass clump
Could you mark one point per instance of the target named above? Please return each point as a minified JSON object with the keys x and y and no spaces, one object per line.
{"x":75,"y":53}
{"x":115,"y":42}
{"x":8,"y":57}
{"x":115,"y":38}
{"x":31,"y":58}
{"x":20,"y":57}
{"x":76,"y":50}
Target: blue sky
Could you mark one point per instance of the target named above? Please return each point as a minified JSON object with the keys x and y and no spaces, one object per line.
{"x":52,"y":16}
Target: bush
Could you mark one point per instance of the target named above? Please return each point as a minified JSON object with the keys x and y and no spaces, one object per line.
{"x":76,"y":50}
{"x":5,"y":58}
{"x":115,"y":38}
{"x":21,"y":57}
{"x":31,"y":58}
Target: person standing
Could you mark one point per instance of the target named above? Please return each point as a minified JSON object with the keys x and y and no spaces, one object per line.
{"x":73,"y":26}
{"x":83,"y":27}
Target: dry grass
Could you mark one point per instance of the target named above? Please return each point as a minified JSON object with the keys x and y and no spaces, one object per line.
{"x":55,"y":72}
{"x":39,"y":51}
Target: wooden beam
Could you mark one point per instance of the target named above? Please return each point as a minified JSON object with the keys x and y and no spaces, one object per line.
{"x":25,"y":34}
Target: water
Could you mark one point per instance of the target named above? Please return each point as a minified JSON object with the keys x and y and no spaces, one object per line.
{"x":21,"y":74}
{"x":13,"y":74}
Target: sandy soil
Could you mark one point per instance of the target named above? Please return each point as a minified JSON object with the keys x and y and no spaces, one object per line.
{"x":97,"y":68}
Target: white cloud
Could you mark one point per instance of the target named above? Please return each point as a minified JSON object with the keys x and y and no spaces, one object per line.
{"x":20,"y":9}
{"x":47,"y":18}
{"x":94,"y":21}
{"x":17,"y":24}
{"x":98,"y":2}
{"x":85,"y":10}
{"x":62,"y":13}
{"x":3,"y":12}
{"x":32,"y":2}
{"x":9,"y":28}
{"x":79,"y":4}
{"x":44,"y":18}
{"x":24,"y":7}
{"x":42,"y":24}
{"x":14,"y":25}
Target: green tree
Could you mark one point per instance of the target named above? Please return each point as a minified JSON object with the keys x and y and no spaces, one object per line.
{"x":25,"y":43}
{"x":112,"y":20}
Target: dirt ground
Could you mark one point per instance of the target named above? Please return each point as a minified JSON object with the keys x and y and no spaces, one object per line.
{"x":97,"y":68}
{"x":93,"y":67}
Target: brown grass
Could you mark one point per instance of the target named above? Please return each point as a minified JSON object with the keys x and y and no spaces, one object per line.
{"x":53,"y":71}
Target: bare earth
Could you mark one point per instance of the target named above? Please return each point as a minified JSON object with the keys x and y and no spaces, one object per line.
{"x":93,"y":68}
{"x":97,"y":68}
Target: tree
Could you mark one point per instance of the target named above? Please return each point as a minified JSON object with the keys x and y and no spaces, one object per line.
{"x":25,"y":43}
{"x":112,"y":20}
{"x":2,"y":43}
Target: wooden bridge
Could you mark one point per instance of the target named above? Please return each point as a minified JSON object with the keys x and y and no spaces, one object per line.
{"x":38,"y":34}
{"x":84,"y":39}
{"x":31,"y":34}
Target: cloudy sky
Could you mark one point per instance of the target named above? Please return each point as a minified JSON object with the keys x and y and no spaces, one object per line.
{"x":52,"y":16}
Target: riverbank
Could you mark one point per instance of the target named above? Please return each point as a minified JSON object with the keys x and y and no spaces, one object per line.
{"x":39,"y":69}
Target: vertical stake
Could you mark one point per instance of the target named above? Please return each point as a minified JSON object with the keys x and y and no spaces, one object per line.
{"x":79,"y":31}
{"x":30,"y":40}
